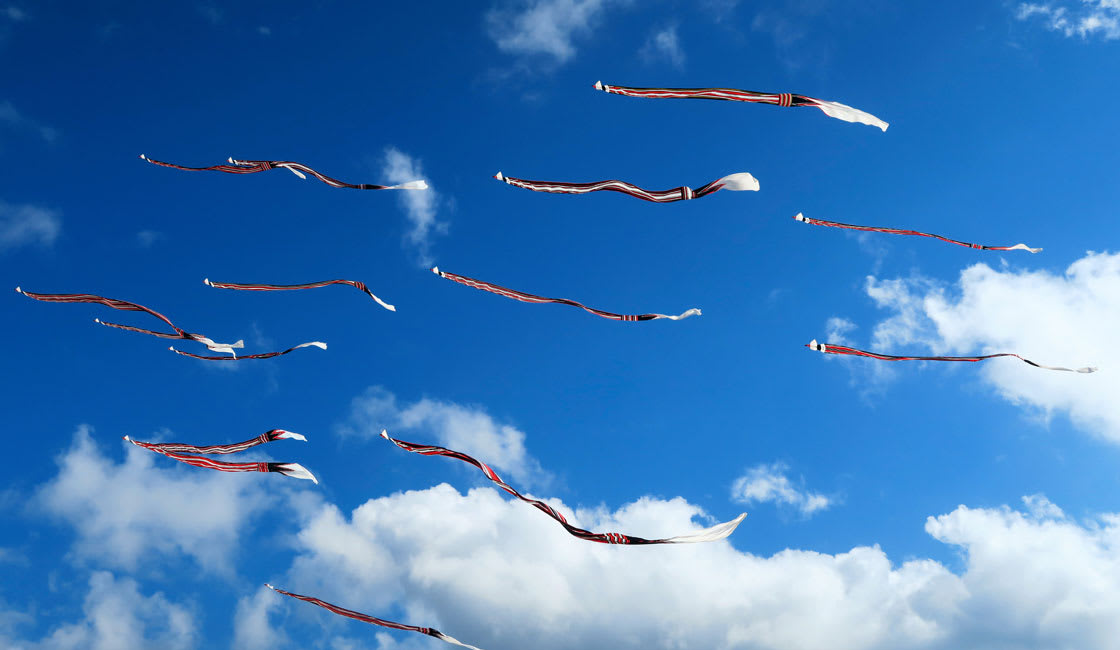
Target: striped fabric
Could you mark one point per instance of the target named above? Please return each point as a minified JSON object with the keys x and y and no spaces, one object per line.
{"x":735,"y":182}
{"x":365,"y":618}
{"x":299,"y":169}
{"x":175,"y":451}
{"x":289,"y":287}
{"x":712,"y":534}
{"x":831,"y":109}
{"x":897,"y":231}
{"x":528,"y":297}
{"x":266,"y":355}
{"x":829,"y":348}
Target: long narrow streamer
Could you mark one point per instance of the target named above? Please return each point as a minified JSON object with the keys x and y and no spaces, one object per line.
{"x":294,"y":470}
{"x":299,"y":169}
{"x":829,"y":348}
{"x":528,"y":297}
{"x":233,"y":448}
{"x":289,"y":287}
{"x":365,"y":618}
{"x":266,"y":355}
{"x":735,"y":182}
{"x":712,"y":534}
{"x":898,"y":231}
{"x":831,"y":109}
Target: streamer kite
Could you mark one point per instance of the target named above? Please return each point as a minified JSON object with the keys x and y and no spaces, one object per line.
{"x":265,"y":355}
{"x":896,"y":231}
{"x":299,"y":169}
{"x":289,"y":287}
{"x":528,"y":297}
{"x":829,"y":348}
{"x":712,"y":534}
{"x":124,"y":305}
{"x":735,"y":182}
{"x":176,"y":451}
{"x":831,"y":109}
{"x":365,"y":618}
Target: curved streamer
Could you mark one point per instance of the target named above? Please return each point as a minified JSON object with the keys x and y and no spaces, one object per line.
{"x":233,"y":448}
{"x":735,"y":182}
{"x":712,"y":534}
{"x":831,"y":109}
{"x":265,"y":355}
{"x":528,"y":297}
{"x":366,"y":618}
{"x":299,"y":169}
{"x":294,"y":470}
{"x":289,"y":287}
{"x":829,"y":348}
{"x":897,"y":231}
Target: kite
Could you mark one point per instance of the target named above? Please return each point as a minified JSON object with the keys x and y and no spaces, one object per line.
{"x":896,"y":231}
{"x":365,"y":618}
{"x":528,"y":297}
{"x":124,"y":305}
{"x":254,"y":166}
{"x":831,"y":109}
{"x":712,"y":534}
{"x":840,"y":349}
{"x":735,"y":182}
{"x":265,"y":355}
{"x":287,"y":287}
{"x":175,"y":450}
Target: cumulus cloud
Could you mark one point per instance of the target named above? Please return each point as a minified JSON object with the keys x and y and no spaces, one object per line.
{"x":469,"y":429}
{"x":766,"y":483}
{"x":25,"y":225}
{"x":545,"y":28}
{"x":664,"y":45}
{"x":132,"y":513}
{"x":1083,"y":18}
{"x":1030,"y":580}
{"x":1062,"y":319}
{"x":16,"y":120}
{"x":420,"y":206}
{"x":252,"y":627}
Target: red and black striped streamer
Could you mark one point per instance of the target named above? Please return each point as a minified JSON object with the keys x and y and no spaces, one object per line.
{"x":831,"y":109}
{"x":829,"y":348}
{"x":265,"y":355}
{"x":898,"y":231}
{"x":289,"y":287}
{"x":735,"y":182}
{"x":712,"y":534}
{"x":172,"y":450}
{"x":528,"y":297}
{"x":299,"y":169}
{"x":366,"y":618}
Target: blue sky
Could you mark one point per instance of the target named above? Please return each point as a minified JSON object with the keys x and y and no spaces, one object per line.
{"x":915,"y":505}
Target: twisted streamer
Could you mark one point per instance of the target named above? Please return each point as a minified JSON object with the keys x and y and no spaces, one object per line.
{"x":299,"y":169}
{"x":831,"y":109}
{"x":365,"y":618}
{"x":265,"y":355}
{"x":897,"y":231}
{"x":288,"y":287}
{"x":173,"y":450}
{"x":712,"y":534}
{"x":735,"y":182}
{"x":528,"y":297}
{"x":840,"y":349}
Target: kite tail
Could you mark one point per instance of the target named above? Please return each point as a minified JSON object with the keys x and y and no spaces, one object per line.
{"x":266,"y":355}
{"x":289,"y":287}
{"x":898,"y":231}
{"x":829,"y":348}
{"x":736,"y":182}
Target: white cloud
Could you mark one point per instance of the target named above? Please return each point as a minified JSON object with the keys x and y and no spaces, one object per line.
{"x":664,"y":45}
{"x":837,"y":329}
{"x":497,"y":574}
{"x":764,"y":483}
{"x":23,"y":225}
{"x":420,"y":205}
{"x":546,"y":28}
{"x":1084,"y":19}
{"x":135,"y":513}
{"x":16,"y":120}
{"x":13,"y":13}
{"x":468,"y":429}
{"x":1053,"y":319}
{"x":119,"y":617}
{"x":148,"y":238}
{"x":252,"y":629}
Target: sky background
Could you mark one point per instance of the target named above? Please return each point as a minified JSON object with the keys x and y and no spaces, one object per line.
{"x":908,"y":505}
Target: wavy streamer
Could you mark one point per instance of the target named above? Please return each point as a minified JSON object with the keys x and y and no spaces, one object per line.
{"x":735,"y":182}
{"x":299,"y":169}
{"x":829,"y":348}
{"x":266,"y":355}
{"x":174,"y":451}
{"x":289,"y":287}
{"x":898,"y":231}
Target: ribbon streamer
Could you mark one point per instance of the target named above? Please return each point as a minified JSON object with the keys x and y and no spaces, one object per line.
{"x":712,"y":534}
{"x":829,"y":348}
{"x":528,"y":297}
{"x":735,"y":182}
{"x":897,"y":231}
{"x":831,"y":109}
{"x":172,"y":450}
{"x":266,"y":355}
{"x":365,"y":618}
{"x":288,"y":287}
{"x":299,"y":169}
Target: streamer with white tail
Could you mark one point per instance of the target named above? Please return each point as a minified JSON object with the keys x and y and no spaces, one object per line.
{"x":299,"y":169}
{"x":741,"y":182}
{"x":180,"y":452}
{"x":898,"y":231}
{"x":828,"y":348}
{"x":264,"y":355}
{"x":289,"y":287}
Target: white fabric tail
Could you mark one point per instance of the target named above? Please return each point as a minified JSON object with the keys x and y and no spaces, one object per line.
{"x":813,"y":345}
{"x":291,"y":434}
{"x":295,"y":470}
{"x":691,"y":312}
{"x":743,"y":182}
{"x":719,"y":531}
{"x":799,"y":217}
{"x":294,"y":171}
{"x":598,"y":85}
{"x":453,"y":640}
{"x":499,"y":176}
{"x":1024,"y":247}
{"x":849,"y":114}
{"x":318,"y":344}
{"x":411,"y":185}
{"x":383,"y":303}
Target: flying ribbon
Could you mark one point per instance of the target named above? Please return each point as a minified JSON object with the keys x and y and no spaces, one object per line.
{"x":176,"y":451}
{"x":829,"y":348}
{"x":897,"y":231}
{"x":735,"y":182}
{"x":299,"y":169}
{"x":289,"y":287}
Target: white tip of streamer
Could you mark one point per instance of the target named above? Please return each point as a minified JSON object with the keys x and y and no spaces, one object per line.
{"x":295,"y":470}
{"x":742,"y":182}
{"x":284,"y":435}
{"x":819,"y":347}
{"x":849,"y":114}
{"x":435,"y":269}
{"x":270,"y":586}
{"x":296,"y":172}
{"x":799,"y":216}
{"x":143,"y":157}
{"x":231,"y":160}
{"x":318,"y":344}
{"x":206,"y":281}
{"x":97,"y":320}
{"x":384,"y":434}
{"x":691,"y":312}
{"x":1024,"y":247}
{"x":128,"y":439}
{"x":717,"y":532}
{"x":1087,"y":370}
{"x":18,"y":290}
{"x":499,"y":176}
{"x":172,"y":348}
{"x":598,"y":85}
{"x":411,"y":185}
